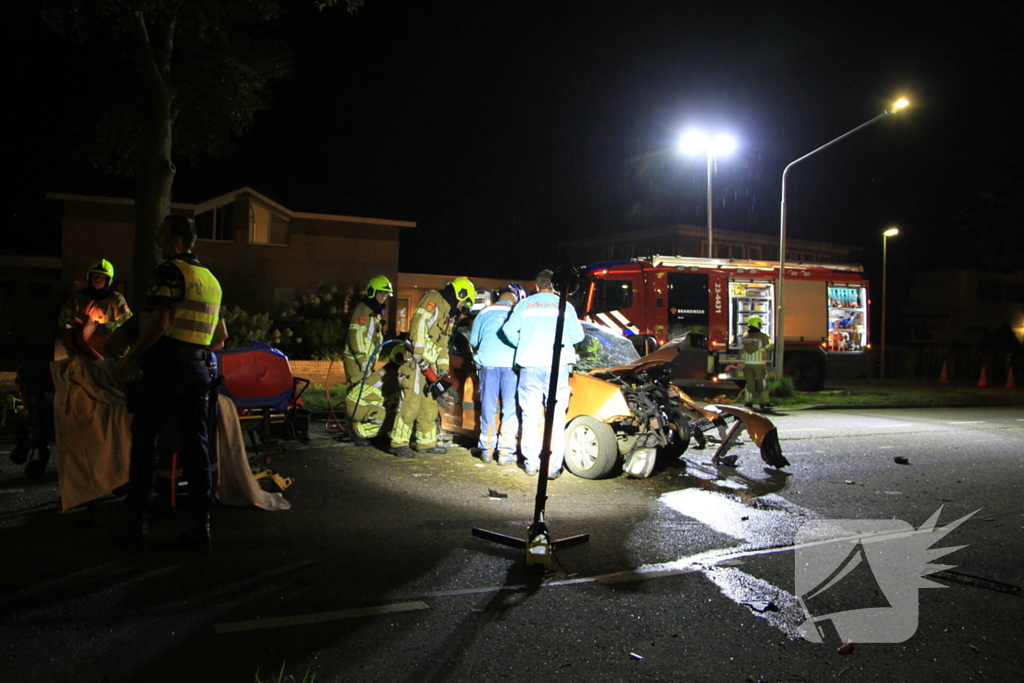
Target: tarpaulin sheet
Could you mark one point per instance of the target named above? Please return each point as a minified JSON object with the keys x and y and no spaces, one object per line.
{"x":93,"y":435}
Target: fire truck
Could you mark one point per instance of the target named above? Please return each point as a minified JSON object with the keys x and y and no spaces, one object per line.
{"x":707,"y":303}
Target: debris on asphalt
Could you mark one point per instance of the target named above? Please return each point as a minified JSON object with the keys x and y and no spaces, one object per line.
{"x":845,"y":670}
{"x":851,"y":482}
{"x":760,"y":605}
{"x":975,"y":648}
{"x":744,"y":518}
{"x":635,"y":655}
{"x":845,"y":649}
{"x":494,"y":494}
{"x":900,"y":460}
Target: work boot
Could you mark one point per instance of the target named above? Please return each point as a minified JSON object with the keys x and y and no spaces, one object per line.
{"x":485,"y":456}
{"x":434,"y":450}
{"x":402,"y":452}
{"x":531,"y":470}
{"x":555,"y":475}
{"x":359,"y":440}
{"x":197,"y":536}
{"x":506,"y":460}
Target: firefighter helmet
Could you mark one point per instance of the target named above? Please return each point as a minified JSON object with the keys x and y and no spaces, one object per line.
{"x":755,"y":321}
{"x":464,"y":290}
{"x":378,"y":283}
{"x":103,"y":267}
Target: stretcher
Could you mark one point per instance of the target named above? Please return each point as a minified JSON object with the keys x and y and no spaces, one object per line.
{"x":258,"y":379}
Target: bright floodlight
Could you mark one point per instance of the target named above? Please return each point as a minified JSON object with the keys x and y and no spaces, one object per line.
{"x":900,"y":103}
{"x":722,"y":144}
{"x":891,"y":232}
{"x":693,"y":142}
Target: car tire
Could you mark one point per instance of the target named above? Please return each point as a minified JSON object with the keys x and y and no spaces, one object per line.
{"x":591,"y":451}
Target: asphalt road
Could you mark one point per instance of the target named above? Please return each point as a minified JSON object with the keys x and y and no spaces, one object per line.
{"x":374,"y":574}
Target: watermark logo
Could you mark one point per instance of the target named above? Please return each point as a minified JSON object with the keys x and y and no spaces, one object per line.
{"x":861,"y":576}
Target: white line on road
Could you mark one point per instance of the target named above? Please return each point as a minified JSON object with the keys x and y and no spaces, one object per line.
{"x":967,"y":422}
{"x":317,"y":617}
{"x":804,"y":429}
{"x":895,"y":424}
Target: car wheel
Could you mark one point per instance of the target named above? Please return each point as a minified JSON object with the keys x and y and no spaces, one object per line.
{"x":591,"y":451}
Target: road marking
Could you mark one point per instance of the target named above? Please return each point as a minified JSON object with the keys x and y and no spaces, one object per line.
{"x":895,"y":424}
{"x":318,"y":617}
{"x":804,"y":429}
{"x":967,"y":422}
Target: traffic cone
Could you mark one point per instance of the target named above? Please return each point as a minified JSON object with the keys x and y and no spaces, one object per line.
{"x":1009,"y":379}
{"x":982,"y":381}
{"x":943,"y":378}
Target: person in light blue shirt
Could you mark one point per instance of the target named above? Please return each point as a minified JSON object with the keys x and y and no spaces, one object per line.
{"x":531,"y":329}
{"x":493,"y":356}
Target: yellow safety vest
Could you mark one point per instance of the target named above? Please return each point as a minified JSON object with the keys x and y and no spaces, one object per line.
{"x":194,"y":319}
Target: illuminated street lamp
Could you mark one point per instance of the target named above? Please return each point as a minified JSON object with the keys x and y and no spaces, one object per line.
{"x":696,"y":142}
{"x":780,"y":344}
{"x":891,"y":232}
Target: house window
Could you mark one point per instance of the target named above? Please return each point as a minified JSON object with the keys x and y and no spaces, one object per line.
{"x":216,"y":224}
{"x":266,"y":226}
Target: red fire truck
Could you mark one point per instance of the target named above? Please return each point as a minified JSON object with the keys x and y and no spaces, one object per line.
{"x":708,"y":301}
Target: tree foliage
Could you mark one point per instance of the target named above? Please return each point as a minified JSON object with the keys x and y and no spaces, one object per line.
{"x":172,"y":78}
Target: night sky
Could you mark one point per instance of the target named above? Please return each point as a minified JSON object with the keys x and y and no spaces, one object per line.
{"x":502,"y":127}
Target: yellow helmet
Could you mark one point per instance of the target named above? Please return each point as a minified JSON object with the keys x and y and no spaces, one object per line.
{"x":755,"y":321}
{"x":379,"y":283}
{"x":464,"y":290}
{"x":103,"y":267}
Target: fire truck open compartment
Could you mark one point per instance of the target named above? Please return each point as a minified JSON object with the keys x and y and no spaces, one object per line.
{"x":710,"y":301}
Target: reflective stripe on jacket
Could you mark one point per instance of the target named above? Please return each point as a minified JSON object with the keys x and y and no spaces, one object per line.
{"x":365,"y":333}
{"x":430,"y":329}
{"x":756,"y":347}
{"x":195,"y":317}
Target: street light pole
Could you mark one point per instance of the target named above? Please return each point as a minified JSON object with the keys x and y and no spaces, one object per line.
{"x":711,"y":157}
{"x":780,"y":344}
{"x":694,"y":142}
{"x":891,"y":232}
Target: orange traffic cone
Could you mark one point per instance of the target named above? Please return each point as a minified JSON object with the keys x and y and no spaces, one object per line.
{"x":1009,"y":379}
{"x":982,"y":380}
{"x":943,"y":378}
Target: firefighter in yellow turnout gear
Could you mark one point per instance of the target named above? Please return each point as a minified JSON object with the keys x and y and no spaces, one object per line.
{"x":364,"y":401}
{"x":429,"y":333}
{"x":756,"y":345}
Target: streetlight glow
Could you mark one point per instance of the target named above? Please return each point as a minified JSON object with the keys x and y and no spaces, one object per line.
{"x":722,"y":144}
{"x":693,"y":142}
{"x":900,"y":103}
{"x":891,"y":232}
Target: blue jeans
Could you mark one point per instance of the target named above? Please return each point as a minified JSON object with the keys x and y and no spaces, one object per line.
{"x":498,"y":386}
{"x":533,"y":396}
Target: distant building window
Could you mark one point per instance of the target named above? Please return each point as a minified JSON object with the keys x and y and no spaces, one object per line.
{"x":989,"y":290}
{"x":736,"y":251}
{"x":216,"y":224}
{"x":266,"y":226}
{"x":754,"y":253}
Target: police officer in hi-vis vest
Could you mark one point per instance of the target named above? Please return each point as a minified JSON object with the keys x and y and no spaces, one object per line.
{"x":174,"y":355}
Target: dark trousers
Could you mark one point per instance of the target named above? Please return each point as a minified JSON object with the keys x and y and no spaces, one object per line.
{"x":173,"y":397}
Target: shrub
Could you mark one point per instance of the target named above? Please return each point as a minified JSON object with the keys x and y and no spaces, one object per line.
{"x":783,"y":387}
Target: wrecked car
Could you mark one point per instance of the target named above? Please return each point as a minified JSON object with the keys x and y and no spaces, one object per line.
{"x":623,"y":412}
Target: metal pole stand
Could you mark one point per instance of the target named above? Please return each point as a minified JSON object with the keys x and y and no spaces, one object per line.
{"x":539,"y":547}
